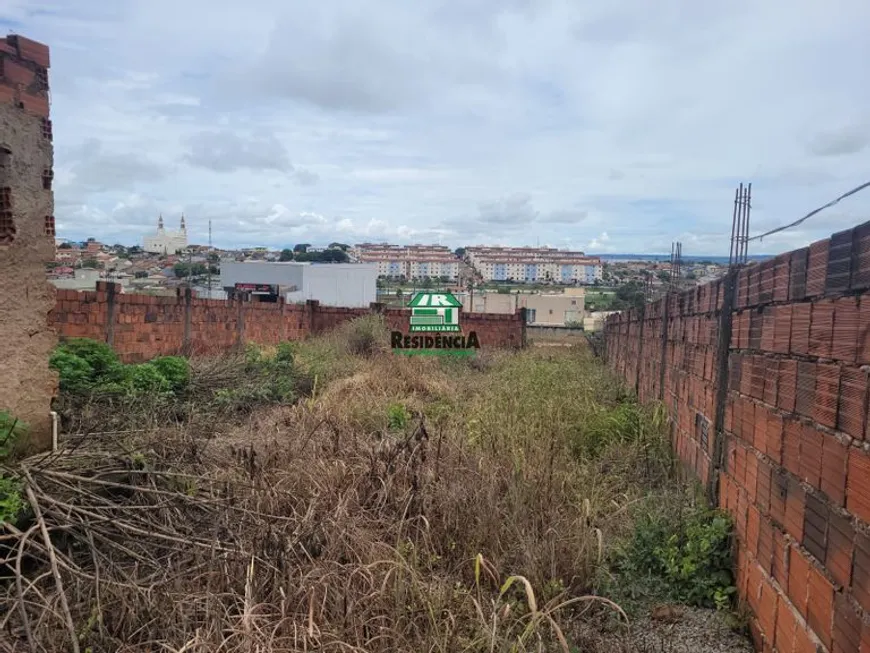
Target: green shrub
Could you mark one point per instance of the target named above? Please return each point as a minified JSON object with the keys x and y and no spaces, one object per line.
{"x":90,"y":367}
{"x":398,"y":417}
{"x":12,"y":502}
{"x":83,"y":364}
{"x":11,"y":431}
{"x":286,"y":352}
{"x":146,"y":378}
{"x":175,"y":370}
{"x":678,"y":555}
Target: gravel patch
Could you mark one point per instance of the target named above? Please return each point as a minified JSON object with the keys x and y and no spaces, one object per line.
{"x":690,"y":630}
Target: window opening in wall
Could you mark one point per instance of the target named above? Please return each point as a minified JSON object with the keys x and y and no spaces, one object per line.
{"x":49,"y":226}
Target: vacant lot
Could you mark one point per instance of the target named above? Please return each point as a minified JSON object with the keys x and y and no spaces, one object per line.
{"x":330,"y":496}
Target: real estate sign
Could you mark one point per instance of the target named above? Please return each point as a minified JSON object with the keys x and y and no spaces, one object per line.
{"x":437,"y":315}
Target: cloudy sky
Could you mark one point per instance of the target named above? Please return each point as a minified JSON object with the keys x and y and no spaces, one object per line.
{"x":609,"y":126}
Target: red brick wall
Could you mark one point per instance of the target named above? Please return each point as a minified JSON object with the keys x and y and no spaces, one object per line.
{"x":141,"y":327}
{"x":775,"y":422}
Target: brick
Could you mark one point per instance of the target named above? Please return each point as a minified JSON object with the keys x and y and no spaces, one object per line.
{"x":844,"y":346}
{"x":861,"y":266}
{"x":30,"y":50}
{"x":822,"y":328}
{"x":781,"y":277}
{"x":805,"y":395}
{"x":767,"y":605}
{"x":838,"y":561}
{"x":827,"y":395}
{"x":753,"y":519}
{"x":861,"y":572}
{"x":795,"y":505}
{"x":747,"y":422}
{"x":863,"y":340}
{"x":858,"y":484}
{"x":834,"y":456}
{"x":778,"y":495}
{"x":771,"y":381}
{"x":817,"y":267}
{"x":782,"y":329}
{"x":847,"y":626}
{"x":747,"y":367}
{"x":816,"y":527}
{"x":787,"y":385}
{"x":786,"y":625}
{"x":15,"y":73}
{"x":751,"y":474}
{"x":765,"y":545}
{"x":779,"y":564}
{"x":774,"y":436}
{"x":36,"y":105}
{"x":839,"y":269}
{"x":804,"y":642}
{"x":852,"y":407}
{"x":798,"y":274}
{"x":791,"y":451}
{"x":820,"y":607}
{"x":768,"y":322}
{"x":756,"y":327}
{"x":798,"y":580}
{"x":800,"y":328}
{"x":811,"y":455}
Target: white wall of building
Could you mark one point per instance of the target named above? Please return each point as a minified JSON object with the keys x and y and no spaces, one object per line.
{"x":285,"y":275}
{"x":351,"y":285}
{"x":168,"y":242}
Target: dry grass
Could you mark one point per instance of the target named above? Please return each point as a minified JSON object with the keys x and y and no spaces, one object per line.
{"x":475,"y":523}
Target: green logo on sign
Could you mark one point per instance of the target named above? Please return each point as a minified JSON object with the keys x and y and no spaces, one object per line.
{"x":435,"y":312}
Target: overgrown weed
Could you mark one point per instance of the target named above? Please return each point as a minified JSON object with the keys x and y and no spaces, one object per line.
{"x":399,"y":505}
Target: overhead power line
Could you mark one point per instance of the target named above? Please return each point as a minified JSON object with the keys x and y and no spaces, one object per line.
{"x":857,"y":189}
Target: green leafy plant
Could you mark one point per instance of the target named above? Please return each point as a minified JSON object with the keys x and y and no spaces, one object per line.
{"x":11,"y":431}
{"x":398,"y":417}
{"x":87,"y":366}
{"x":12,"y":502}
{"x":175,"y":370}
{"x":677,"y":555}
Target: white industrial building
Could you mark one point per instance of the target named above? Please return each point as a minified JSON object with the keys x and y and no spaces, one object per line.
{"x":351,"y":285}
{"x":166,"y":242}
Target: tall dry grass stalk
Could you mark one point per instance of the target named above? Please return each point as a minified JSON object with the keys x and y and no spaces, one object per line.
{"x":477,"y":525}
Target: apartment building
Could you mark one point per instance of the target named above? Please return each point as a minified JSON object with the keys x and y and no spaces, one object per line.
{"x":534,"y":265}
{"x":410,"y":262}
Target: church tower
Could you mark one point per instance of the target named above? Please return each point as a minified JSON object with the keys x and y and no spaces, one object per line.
{"x":183,"y":226}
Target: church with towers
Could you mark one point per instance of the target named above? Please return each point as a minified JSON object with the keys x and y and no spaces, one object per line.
{"x":167,"y":242}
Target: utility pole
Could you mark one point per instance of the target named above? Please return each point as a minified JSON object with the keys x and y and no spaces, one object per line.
{"x":208,"y":260}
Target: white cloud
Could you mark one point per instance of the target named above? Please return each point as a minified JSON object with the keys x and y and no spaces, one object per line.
{"x":624,"y":125}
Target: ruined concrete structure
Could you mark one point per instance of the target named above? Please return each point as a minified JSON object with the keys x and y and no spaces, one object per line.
{"x":27,"y":385}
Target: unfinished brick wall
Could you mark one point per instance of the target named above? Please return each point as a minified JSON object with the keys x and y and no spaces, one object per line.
{"x":27,"y":385}
{"x":766,"y":383}
{"x":141,"y":327}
